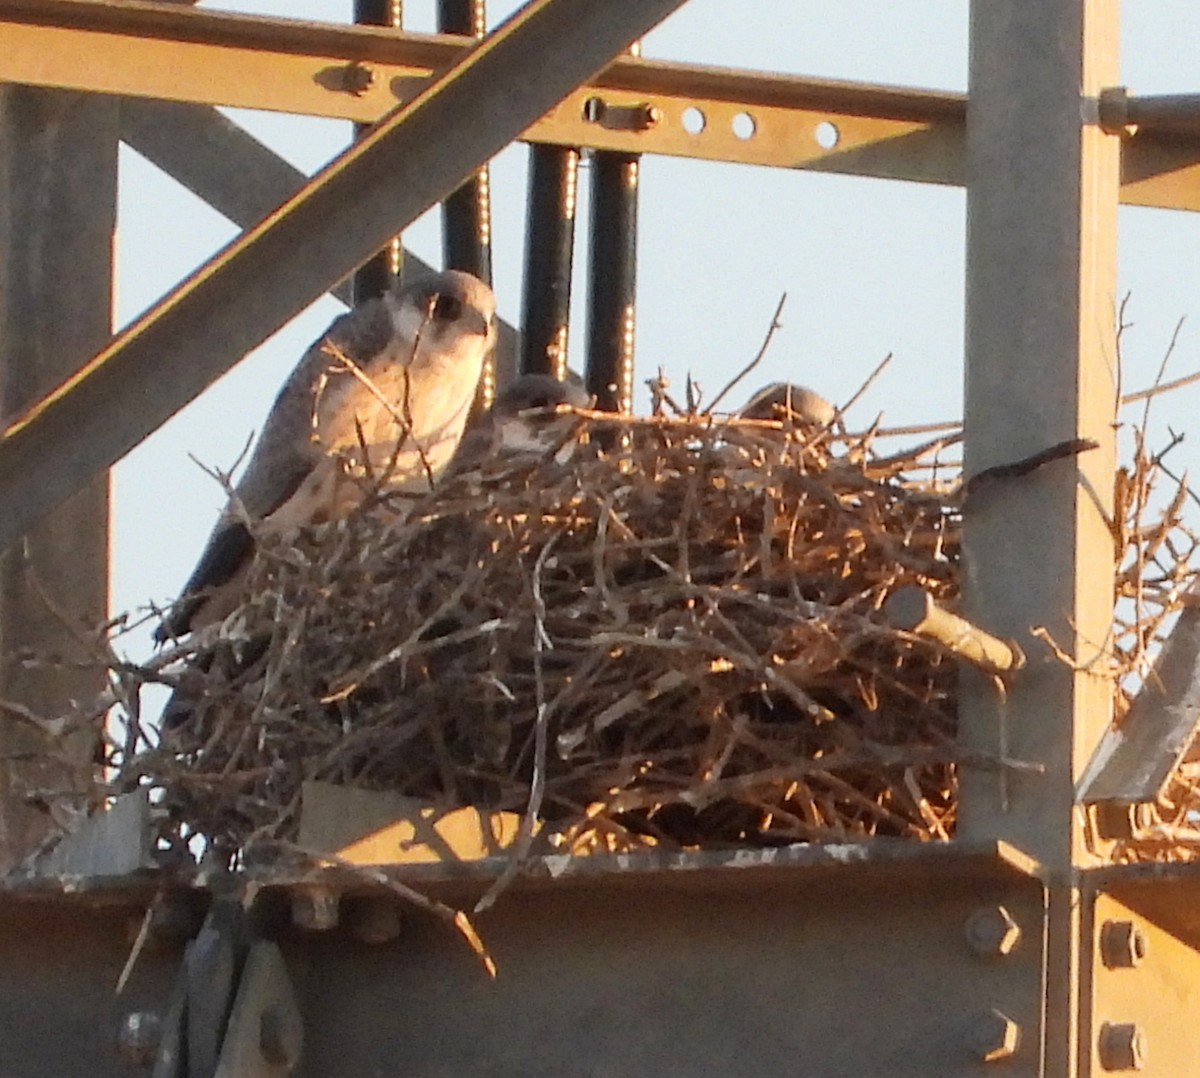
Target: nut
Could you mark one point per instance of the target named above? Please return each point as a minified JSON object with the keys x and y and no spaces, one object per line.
{"x":993,"y":1036}
{"x":1122,"y":1047}
{"x":373,"y":920}
{"x":991,"y":932}
{"x":1122,"y":944}
{"x":315,"y":908}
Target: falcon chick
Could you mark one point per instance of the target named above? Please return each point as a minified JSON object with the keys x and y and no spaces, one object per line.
{"x":380,"y":400}
{"x":529,"y":418}
{"x":786,"y":401}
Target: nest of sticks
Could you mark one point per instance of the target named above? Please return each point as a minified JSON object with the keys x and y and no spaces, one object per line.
{"x":676,"y":640}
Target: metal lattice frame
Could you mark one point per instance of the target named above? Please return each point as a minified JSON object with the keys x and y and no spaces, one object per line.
{"x":1036,"y":979}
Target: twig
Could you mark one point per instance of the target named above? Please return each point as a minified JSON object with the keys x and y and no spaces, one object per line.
{"x":843,"y":409}
{"x":772,"y":329}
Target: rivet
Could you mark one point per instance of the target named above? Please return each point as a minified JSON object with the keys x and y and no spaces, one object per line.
{"x":1122,"y":1047}
{"x":992,"y":932}
{"x":1122,"y":944}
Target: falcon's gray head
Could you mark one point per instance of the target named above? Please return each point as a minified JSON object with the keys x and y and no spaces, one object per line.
{"x":450,"y":315}
{"x":783,"y":401}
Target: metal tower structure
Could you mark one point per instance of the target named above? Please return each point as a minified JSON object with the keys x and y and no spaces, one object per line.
{"x":1017,"y":947}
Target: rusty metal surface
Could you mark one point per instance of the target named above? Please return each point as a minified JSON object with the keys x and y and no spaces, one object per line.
{"x":232,"y":303}
{"x":1144,"y":995}
{"x":59,"y":963}
{"x":874,"y":962}
{"x":58,"y":173}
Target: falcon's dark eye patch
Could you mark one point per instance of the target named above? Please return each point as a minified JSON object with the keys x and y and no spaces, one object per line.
{"x":447,"y":308}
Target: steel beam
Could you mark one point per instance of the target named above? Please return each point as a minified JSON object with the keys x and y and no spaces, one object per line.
{"x":58,"y":177}
{"x":124,"y":47}
{"x":216,"y":159}
{"x":1040,"y":369}
{"x":235,"y":301}
{"x":241,"y":178}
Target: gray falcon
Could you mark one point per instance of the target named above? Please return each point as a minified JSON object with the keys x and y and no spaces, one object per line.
{"x":381,"y":399}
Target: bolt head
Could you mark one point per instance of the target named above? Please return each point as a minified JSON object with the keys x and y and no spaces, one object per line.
{"x":138,"y":1038}
{"x":315,"y":909}
{"x":992,"y":932}
{"x":1122,"y":1046}
{"x":993,"y":1036}
{"x":1122,"y":944}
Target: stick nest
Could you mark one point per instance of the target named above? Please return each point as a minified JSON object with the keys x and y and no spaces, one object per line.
{"x":674,"y":641}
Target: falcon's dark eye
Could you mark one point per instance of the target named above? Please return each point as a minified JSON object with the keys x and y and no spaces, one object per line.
{"x":447,"y":308}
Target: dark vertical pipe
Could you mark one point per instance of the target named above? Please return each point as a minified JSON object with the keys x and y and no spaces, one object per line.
{"x":612,"y":286}
{"x":549,"y":249}
{"x":467,"y":213}
{"x":375,"y":277}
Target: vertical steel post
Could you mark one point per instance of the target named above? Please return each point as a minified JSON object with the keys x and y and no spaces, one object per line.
{"x":1040,"y":369}
{"x":375,"y":277}
{"x":467,"y":213}
{"x":612,"y":284}
{"x":549,"y":251}
{"x":613,"y":280}
{"x":58,"y":173}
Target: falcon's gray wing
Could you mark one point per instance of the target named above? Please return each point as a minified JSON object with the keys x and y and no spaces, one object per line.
{"x":283,"y":458}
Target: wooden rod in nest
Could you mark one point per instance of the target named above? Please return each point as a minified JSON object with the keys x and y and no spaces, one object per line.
{"x":912,"y":608}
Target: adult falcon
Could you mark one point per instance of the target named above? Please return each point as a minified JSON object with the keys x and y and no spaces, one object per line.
{"x":379,"y":401}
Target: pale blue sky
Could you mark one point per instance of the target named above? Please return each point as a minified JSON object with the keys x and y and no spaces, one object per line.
{"x":871,"y":267}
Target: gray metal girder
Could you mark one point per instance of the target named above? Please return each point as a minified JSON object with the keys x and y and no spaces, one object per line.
{"x":859,"y":964}
{"x":238,"y":176}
